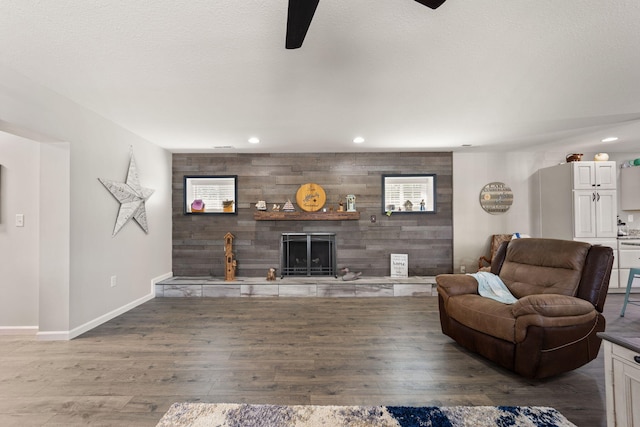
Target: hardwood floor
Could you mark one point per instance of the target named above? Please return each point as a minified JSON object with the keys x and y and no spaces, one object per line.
{"x":341,"y":351}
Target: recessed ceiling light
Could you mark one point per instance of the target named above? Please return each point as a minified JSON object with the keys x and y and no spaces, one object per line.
{"x":358,"y":140}
{"x":254,"y":140}
{"x":610,"y":139}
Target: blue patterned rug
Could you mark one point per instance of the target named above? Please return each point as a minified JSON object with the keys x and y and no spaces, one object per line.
{"x":243,"y":415}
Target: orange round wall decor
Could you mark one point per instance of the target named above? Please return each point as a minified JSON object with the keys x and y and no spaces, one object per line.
{"x":311,"y":197}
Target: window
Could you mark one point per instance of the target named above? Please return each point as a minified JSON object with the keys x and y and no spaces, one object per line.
{"x":409,"y":193}
{"x":210,"y":194}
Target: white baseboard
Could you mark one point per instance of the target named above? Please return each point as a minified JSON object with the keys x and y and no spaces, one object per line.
{"x":18,"y":330}
{"x":68,"y":335}
{"x":53,"y":336}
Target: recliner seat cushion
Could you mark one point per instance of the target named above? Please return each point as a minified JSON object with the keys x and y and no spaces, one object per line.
{"x":484,"y":315}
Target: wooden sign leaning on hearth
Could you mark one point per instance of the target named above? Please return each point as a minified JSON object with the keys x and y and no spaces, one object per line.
{"x":229,"y":259}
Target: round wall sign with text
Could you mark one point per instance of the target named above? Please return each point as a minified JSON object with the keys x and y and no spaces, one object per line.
{"x":311,"y":197}
{"x":496,"y":198}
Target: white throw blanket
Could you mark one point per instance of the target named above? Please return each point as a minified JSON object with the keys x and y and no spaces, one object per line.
{"x":491,"y":286}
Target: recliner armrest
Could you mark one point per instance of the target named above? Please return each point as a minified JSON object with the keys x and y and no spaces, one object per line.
{"x":551,"y":305}
{"x":551,"y":311}
{"x":456,"y":284}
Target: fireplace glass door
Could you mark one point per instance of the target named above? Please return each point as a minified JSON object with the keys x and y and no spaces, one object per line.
{"x":308,"y":254}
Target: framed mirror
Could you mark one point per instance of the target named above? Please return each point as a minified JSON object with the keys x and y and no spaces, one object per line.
{"x":409,"y":193}
{"x":211,"y":194}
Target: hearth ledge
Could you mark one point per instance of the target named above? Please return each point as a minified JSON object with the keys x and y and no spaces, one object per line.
{"x":322,"y":287}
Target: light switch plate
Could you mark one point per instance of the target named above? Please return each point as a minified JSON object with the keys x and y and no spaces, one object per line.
{"x":629,"y":218}
{"x":19,"y":220}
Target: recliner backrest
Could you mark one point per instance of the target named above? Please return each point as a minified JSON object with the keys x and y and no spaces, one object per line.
{"x":539,"y":266}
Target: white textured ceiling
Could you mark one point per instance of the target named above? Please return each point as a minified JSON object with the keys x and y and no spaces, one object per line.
{"x":190,"y":75}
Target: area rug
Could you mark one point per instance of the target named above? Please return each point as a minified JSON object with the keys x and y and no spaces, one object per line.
{"x":244,"y":415}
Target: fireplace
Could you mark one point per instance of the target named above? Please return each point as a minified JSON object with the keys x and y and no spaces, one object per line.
{"x":308,"y":254}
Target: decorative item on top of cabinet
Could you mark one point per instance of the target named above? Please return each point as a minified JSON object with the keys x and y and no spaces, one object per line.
{"x":630,"y":188}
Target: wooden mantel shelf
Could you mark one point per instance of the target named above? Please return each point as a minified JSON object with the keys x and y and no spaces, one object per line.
{"x":305,"y":216}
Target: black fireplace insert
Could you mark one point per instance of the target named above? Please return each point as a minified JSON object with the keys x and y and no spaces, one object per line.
{"x":308,"y":254}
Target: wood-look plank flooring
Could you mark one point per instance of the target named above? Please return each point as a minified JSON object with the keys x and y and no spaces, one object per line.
{"x":340,"y":351}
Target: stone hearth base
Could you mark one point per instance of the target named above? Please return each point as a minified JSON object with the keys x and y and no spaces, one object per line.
{"x":323,"y":287}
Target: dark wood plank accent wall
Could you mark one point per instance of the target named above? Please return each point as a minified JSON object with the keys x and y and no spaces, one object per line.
{"x":361,"y":244}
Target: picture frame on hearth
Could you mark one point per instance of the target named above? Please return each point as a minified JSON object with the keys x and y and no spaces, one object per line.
{"x":211,"y":194}
{"x":409,"y":194}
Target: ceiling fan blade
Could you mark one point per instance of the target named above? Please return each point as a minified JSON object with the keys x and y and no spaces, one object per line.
{"x":298,"y":21}
{"x":433,"y":4}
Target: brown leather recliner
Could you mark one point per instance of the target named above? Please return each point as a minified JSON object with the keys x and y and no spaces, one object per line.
{"x":561,"y":287}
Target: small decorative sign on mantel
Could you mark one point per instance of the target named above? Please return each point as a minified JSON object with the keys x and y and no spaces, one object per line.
{"x":399,"y":266}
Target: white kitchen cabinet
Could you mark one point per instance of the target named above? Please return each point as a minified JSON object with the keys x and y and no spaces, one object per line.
{"x":594,"y":213}
{"x":630,"y":188}
{"x":589,"y":175}
{"x":578,"y":201}
{"x":622,"y":380}
{"x":628,"y":257}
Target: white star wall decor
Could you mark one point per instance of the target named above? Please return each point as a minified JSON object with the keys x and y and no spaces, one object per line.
{"x":131,"y":197}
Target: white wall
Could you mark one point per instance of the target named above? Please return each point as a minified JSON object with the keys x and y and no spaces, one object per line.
{"x":19,"y":246}
{"x":472,"y":226}
{"x":55,"y":229}
{"x":97,"y":148}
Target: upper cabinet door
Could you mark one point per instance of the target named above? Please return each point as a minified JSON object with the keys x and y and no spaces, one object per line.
{"x":606,"y":175}
{"x":584,"y":175}
{"x":594,"y":175}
